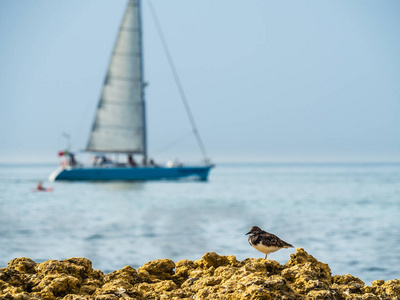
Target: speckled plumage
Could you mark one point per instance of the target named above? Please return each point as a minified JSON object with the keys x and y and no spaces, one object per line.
{"x":265,"y":242}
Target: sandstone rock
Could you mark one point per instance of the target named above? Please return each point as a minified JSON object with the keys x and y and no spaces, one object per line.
{"x":212,"y":259}
{"x":22,"y":265}
{"x":213,"y":277}
{"x":348,"y":284}
{"x":160,"y":269}
{"x":390,"y":289}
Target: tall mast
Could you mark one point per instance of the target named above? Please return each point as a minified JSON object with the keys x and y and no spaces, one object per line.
{"x":143,"y":84}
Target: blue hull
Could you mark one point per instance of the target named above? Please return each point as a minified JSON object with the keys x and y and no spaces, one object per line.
{"x":131,"y":174}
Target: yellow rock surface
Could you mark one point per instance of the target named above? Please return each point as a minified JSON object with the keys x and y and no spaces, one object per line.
{"x":212,"y":277}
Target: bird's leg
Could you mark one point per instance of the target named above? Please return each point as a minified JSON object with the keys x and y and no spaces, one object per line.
{"x":265,"y":256}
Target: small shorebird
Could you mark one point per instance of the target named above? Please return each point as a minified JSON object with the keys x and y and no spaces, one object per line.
{"x":265,"y":242}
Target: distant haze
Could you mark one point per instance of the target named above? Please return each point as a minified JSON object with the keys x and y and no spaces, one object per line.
{"x":266,"y":80}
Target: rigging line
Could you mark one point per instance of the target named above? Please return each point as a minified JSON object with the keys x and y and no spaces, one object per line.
{"x":178,"y":82}
{"x":173,"y":143}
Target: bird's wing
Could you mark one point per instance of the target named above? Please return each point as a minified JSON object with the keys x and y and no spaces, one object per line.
{"x":272,"y":240}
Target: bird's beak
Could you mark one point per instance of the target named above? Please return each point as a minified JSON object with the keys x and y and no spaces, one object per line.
{"x":248,"y":233}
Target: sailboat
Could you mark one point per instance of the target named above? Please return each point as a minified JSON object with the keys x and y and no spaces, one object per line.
{"x":119,"y":126}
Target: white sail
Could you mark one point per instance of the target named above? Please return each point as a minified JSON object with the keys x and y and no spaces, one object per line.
{"x":119,"y":125}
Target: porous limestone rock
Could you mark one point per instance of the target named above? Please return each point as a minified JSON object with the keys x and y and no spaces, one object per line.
{"x":213,"y":277}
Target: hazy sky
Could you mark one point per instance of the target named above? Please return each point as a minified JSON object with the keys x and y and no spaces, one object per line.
{"x":267,"y":80}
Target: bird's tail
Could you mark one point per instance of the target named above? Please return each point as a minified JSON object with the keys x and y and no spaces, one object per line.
{"x":287,"y":245}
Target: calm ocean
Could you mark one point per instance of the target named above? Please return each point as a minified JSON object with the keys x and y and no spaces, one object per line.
{"x":346,"y":215}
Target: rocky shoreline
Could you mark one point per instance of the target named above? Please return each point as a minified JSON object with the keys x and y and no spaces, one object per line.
{"x":212,"y":277}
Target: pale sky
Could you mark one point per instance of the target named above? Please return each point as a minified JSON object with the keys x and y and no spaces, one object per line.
{"x":267,"y":80}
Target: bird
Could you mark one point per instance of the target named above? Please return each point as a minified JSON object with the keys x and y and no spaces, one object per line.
{"x":265,"y":242}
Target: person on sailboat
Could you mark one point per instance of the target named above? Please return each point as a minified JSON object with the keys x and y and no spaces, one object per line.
{"x":131,"y":161}
{"x":153,"y":164}
{"x":104,"y":160}
{"x":72,"y":160}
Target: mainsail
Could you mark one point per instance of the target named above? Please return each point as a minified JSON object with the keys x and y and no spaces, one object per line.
{"x":119,"y":125}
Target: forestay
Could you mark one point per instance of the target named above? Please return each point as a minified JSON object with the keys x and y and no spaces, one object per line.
{"x":119,"y":124}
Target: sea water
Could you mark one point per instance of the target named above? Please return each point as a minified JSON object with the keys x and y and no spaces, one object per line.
{"x":346,"y":215}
